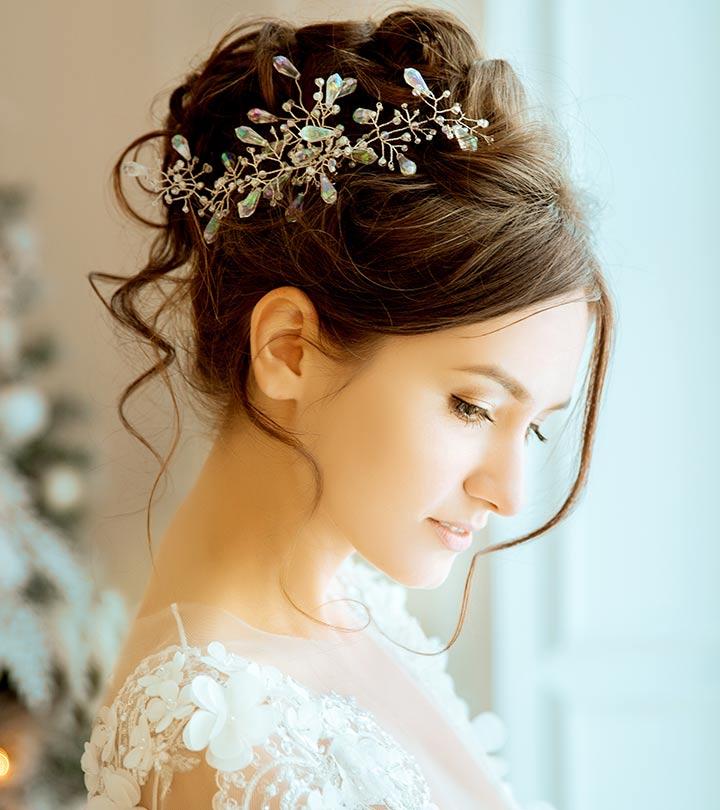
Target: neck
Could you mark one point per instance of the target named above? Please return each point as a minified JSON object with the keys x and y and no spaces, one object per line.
{"x":243,"y":530}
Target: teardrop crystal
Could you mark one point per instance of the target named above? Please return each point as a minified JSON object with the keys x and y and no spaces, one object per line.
{"x":332,"y":88}
{"x":466,"y":140}
{"x":363,"y":116}
{"x":181,"y":146}
{"x":248,"y":135}
{"x":274,"y":188}
{"x":269,"y":191}
{"x":366,"y":155}
{"x":348,"y":86}
{"x":258,"y":116}
{"x":134,"y":169}
{"x":283,"y":65}
{"x":327,"y":189}
{"x":229,"y":159}
{"x":247,"y":206}
{"x":415,"y":80}
{"x":301,"y":154}
{"x":211,"y":229}
{"x":406,"y":165}
{"x":311,"y":133}
{"x":294,"y":207}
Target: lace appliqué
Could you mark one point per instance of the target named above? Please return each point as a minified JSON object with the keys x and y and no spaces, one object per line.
{"x":484,"y":733}
{"x":264,"y":734}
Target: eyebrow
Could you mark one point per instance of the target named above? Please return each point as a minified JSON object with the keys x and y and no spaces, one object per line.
{"x":509,"y":383}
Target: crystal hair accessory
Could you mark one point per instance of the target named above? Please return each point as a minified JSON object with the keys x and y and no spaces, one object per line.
{"x":315,"y":149}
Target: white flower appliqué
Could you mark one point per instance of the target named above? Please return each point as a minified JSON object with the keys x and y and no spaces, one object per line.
{"x":141,"y":748}
{"x":99,"y":749}
{"x":169,"y":702}
{"x":122,"y":792}
{"x":329,"y":798}
{"x":230,"y":719}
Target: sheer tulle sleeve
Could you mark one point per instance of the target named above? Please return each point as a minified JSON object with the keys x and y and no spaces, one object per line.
{"x":204,"y":710}
{"x":195,"y":728}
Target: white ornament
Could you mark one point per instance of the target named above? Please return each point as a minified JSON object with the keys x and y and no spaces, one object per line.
{"x":490,"y":731}
{"x":61,"y":487}
{"x":24,"y":413}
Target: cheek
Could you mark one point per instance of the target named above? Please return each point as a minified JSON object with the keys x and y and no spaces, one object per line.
{"x":387,"y":463}
{"x":374,"y":454}
{"x":386,"y":446}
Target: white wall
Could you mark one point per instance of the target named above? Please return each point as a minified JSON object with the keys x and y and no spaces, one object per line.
{"x":607,"y":640}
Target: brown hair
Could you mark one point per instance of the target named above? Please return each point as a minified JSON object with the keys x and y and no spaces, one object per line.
{"x":471,"y":236}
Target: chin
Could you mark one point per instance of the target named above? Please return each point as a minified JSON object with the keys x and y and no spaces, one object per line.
{"x":424,"y":577}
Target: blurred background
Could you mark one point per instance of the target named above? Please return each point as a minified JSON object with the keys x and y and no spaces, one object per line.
{"x":598,"y":644}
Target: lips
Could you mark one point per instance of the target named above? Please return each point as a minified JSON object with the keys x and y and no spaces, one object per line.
{"x":467,"y":527}
{"x":451,"y":539}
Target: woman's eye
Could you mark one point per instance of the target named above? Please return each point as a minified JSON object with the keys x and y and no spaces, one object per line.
{"x":474,"y":414}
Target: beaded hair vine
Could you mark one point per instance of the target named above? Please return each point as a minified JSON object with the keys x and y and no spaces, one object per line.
{"x":315,"y":149}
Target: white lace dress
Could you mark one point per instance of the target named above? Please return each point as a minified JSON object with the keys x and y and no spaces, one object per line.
{"x":210,"y":712}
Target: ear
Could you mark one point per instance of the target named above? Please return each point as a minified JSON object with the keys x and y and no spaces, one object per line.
{"x":281,"y":323}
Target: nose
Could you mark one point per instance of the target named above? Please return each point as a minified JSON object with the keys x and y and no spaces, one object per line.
{"x":500,"y":480}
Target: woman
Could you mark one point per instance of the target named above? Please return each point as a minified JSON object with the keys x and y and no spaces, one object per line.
{"x":374,"y":328}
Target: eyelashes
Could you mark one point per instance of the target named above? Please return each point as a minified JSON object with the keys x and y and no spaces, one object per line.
{"x":474,"y":415}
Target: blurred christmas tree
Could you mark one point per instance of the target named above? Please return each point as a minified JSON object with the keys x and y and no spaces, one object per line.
{"x":59,"y":634}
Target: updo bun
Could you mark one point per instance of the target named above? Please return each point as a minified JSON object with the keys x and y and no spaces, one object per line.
{"x":471,"y":236}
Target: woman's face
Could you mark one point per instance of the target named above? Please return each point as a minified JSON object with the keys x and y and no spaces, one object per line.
{"x":396,"y":450}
